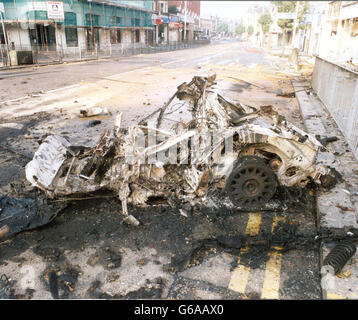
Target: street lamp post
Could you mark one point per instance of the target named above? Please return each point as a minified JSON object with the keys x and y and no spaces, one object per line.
{"x":185,"y":20}
{"x":168,"y":30}
{"x":90,"y":9}
{"x":8,"y":61}
{"x":293,"y":41}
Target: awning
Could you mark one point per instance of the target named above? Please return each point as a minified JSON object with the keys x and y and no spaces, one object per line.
{"x":164,"y":19}
{"x":157,"y":20}
{"x":176,"y":25}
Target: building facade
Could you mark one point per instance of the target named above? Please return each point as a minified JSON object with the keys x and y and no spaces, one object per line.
{"x":188,"y":15}
{"x":96,"y":24}
{"x":208,"y":27}
{"x":339,"y":38}
{"x":310,"y":36}
{"x":251,"y":20}
{"x":167,"y":24}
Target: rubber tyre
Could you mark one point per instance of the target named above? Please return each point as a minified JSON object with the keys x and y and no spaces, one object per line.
{"x":251,"y":184}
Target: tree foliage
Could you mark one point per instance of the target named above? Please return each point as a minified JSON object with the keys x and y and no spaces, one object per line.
{"x":290,"y":6}
{"x":250,"y":29}
{"x":222,"y":27}
{"x":265,"y":21}
{"x":240,"y":29}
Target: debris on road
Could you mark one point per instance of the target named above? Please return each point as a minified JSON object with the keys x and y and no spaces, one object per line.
{"x":93,"y":123}
{"x":4,"y":230}
{"x":291,"y":94}
{"x":5,"y":287}
{"x":183,"y":213}
{"x":328,"y":279}
{"x":97,"y":111}
{"x":20,"y":214}
{"x":197,"y":142}
{"x":250,"y":83}
{"x":325,"y":140}
{"x":53,"y":284}
{"x":343,"y":208}
{"x":12,"y":125}
{"x":281,"y":93}
{"x":60,"y":284}
{"x":344,"y":275}
{"x":340,"y":255}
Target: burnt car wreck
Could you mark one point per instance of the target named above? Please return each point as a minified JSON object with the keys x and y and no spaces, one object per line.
{"x":197,"y":142}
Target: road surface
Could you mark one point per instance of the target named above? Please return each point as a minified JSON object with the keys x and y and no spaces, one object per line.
{"x":88,"y":241}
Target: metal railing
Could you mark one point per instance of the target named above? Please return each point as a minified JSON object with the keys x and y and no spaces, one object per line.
{"x":337,"y":87}
{"x":45,"y":55}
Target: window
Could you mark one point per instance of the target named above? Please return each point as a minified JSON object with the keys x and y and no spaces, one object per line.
{"x":70,"y":19}
{"x":115,"y":21}
{"x":2,"y":38}
{"x":95,"y":20}
{"x":137,"y":36}
{"x":71,"y":37}
{"x":40,"y":15}
{"x":135,"y":22}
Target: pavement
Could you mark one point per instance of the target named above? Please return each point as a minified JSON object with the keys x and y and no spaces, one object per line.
{"x":337,"y":210}
{"x":88,"y":242}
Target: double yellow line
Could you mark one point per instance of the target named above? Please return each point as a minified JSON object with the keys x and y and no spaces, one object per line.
{"x":240,"y":275}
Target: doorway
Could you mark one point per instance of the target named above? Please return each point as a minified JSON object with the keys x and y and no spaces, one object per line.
{"x":43,"y":37}
{"x":92,"y":38}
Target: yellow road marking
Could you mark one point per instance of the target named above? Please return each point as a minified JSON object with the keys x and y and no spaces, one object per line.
{"x":276,"y":220}
{"x":241,"y":273}
{"x":239,"y":276}
{"x":334,"y":296}
{"x":253,"y":225}
{"x":271,"y":285}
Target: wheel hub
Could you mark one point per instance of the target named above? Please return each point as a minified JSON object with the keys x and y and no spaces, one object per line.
{"x":250,"y":187}
{"x":252,"y":183}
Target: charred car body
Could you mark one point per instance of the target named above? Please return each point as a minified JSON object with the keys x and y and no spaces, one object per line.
{"x":198,"y":141}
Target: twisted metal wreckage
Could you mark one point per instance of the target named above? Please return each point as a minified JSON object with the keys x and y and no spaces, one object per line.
{"x":264,"y":151}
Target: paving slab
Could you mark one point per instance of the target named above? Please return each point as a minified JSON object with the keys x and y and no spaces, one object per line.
{"x":318,"y":121}
{"x":337,"y":209}
{"x":345,"y":284}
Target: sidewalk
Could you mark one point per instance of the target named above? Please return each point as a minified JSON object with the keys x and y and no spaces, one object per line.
{"x":43,"y":64}
{"x":80,"y":55}
{"x":336,"y":209}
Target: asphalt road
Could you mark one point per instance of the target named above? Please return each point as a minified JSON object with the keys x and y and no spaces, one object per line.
{"x":87,"y":238}
{"x":21,"y":82}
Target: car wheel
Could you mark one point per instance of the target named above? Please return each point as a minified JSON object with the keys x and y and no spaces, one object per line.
{"x":251,"y":184}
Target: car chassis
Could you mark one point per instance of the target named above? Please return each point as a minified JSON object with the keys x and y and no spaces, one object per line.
{"x":197,"y":142}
